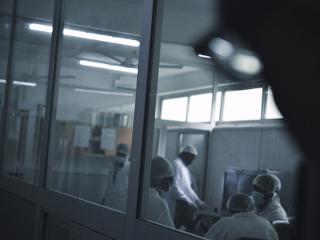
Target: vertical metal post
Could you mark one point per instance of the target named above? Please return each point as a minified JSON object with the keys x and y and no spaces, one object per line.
{"x":145,"y":108}
{"x":50,"y":105}
{"x":9,"y":84}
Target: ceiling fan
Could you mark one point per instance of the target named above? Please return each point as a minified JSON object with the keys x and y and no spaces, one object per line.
{"x":128,"y":61}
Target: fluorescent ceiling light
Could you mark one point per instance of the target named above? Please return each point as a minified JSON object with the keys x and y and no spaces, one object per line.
{"x":204,"y":56}
{"x":86,"y":35}
{"x":246,"y":63}
{"x":108,"y":66}
{"x":103,"y":92}
{"x":29,"y":84}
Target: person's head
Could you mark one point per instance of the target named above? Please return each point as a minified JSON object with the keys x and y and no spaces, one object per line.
{"x":265,"y":187}
{"x":188,"y":154}
{"x":239,"y":202}
{"x":122,"y":152}
{"x":161,"y":176}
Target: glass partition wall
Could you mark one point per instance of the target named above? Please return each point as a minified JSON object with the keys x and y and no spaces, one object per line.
{"x":116,"y":124}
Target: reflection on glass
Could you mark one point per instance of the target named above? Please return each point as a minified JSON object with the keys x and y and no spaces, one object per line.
{"x":242,"y":105}
{"x":211,"y":163}
{"x":174,"y":109}
{"x":197,"y":114}
{"x":26,"y":107}
{"x":272,"y":111}
{"x":92,"y":132}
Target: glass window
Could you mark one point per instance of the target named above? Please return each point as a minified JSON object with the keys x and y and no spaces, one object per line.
{"x":30,"y":67}
{"x":174,"y":109}
{"x":183,"y":73}
{"x":200,"y":108}
{"x":5,"y":28}
{"x":218,"y":106}
{"x":242,"y":105}
{"x":92,"y":132}
{"x":272,"y":111}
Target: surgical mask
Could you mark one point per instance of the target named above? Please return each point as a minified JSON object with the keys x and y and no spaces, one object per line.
{"x":258,"y":198}
{"x":121,"y":161}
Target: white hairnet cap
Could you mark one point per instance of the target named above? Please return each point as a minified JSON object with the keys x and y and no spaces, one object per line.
{"x":160,"y":168}
{"x":268,"y":182}
{"x":240,"y":202}
{"x":189,"y":149}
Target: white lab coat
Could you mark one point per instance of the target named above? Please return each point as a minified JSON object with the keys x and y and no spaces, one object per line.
{"x":117,"y":191}
{"x":273,"y":211}
{"x":246,"y":224}
{"x":158,"y":210}
{"x":181,"y":188}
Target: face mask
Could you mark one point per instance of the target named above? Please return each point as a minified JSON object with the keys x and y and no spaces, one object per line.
{"x":121,"y":161}
{"x":258,"y":198}
{"x":187,"y":162}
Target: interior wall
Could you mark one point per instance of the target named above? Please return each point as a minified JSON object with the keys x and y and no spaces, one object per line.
{"x":271,"y":148}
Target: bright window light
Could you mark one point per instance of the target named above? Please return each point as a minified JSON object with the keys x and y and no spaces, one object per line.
{"x":29,"y":84}
{"x":218,"y":106}
{"x":86,"y":35}
{"x":103,"y":92}
{"x":242,"y":105}
{"x":200,"y":107}
{"x":108,"y":66}
{"x":272,"y":111}
{"x":174,"y":109}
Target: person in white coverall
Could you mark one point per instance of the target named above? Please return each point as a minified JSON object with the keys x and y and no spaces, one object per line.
{"x":266,"y":199}
{"x":181,"y":188}
{"x":161,"y":178}
{"x":117,"y":189}
{"x":242,"y":223}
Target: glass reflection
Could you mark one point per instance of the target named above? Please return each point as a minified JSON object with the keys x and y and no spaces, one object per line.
{"x":92,"y":133}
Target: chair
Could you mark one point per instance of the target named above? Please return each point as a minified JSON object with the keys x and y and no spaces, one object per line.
{"x":285,"y":230}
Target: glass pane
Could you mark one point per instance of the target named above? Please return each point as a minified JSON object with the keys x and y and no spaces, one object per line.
{"x":272,"y":111}
{"x":242,"y":105}
{"x":218,"y":106}
{"x":174,"y":109}
{"x":27,"y":104}
{"x":181,"y":73}
{"x":200,"y":107}
{"x":5,"y":28}
{"x":91,"y":140}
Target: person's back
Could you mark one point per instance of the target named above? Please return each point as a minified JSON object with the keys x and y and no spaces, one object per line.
{"x":242,"y":225}
{"x":158,"y":210}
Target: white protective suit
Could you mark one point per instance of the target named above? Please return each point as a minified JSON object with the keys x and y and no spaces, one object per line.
{"x":117,"y":189}
{"x":158,"y":210}
{"x":181,"y":187}
{"x":273,"y":211}
{"x":241,"y":225}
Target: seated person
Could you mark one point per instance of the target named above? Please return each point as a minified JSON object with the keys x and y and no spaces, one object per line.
{"x":266,"y":198}
{"x":242,"y":223}
{"x":161,"y":178}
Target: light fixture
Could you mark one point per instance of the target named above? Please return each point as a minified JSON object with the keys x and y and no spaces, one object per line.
{"x":86,"y":35}
{"x":108,"y":66}
{"x":103,"y":92}
{"x":204,"y":56}
{"x":29,"y":84}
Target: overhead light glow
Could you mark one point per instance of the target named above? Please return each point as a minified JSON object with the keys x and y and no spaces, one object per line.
{"x":103,"y":92}
{"x":29,"y":84}
{"x":87,"y":35}
{"x":204,"y":56}
{"x":108,"y":66}
{"x":221,"y":47}
{"x":245,"y":63}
